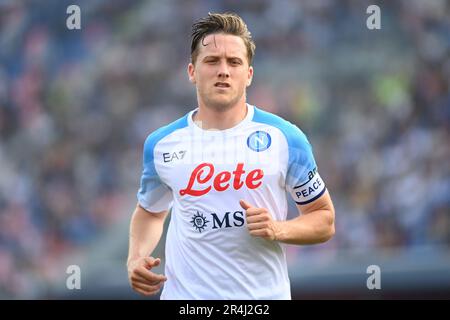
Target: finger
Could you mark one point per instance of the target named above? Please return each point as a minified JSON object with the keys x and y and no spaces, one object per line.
{"x":155,"y":291}
{"x":256,"y":226}
{"x":141,"y":291}
{"x":144,"y":291}
{"x":147,"y":288}
{"x":245,"y":205}
{"x":137,"y":278}
{"x":255,"y":211}
{"x":151,"y":262}
{"x":150,"y":276}
{"x":257,"y":218}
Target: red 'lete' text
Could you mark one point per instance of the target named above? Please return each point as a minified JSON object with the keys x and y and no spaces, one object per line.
{"x":203,"y":174}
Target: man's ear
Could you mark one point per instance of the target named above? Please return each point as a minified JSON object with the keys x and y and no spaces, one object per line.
{"x":191,"y":72}
{"x":250,"y":76}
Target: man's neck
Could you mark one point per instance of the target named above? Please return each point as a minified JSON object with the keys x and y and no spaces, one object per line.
{"x":208,"y":118}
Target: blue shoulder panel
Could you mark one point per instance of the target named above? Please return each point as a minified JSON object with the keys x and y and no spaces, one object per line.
{"x":301,"y":159}
{"x":149,"y":146}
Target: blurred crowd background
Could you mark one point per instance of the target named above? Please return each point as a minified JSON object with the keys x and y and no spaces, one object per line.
{"x":77,"y":105}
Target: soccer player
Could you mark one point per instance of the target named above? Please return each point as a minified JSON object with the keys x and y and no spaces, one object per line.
{"x":224,"y":169}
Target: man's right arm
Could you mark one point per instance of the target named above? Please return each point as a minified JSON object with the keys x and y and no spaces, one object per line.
{"x":145,"y":232}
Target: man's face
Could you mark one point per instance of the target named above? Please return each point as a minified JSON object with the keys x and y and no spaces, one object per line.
{"x":221,"y":71}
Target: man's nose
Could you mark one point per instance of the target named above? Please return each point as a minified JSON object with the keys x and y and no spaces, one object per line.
{"x":223,"y":71}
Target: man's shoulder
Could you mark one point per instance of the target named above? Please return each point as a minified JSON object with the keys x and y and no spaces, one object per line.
{"x":154,"y":137}
{"x":292,"y":132}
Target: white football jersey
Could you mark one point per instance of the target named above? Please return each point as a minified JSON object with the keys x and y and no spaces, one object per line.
{"x":202,"y":175}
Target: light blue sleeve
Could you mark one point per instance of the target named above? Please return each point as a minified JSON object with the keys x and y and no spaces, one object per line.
{"x":153,"y":194}
{"x":303,"y":181}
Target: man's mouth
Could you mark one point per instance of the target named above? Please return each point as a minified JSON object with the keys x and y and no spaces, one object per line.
{"x":222,"y":85}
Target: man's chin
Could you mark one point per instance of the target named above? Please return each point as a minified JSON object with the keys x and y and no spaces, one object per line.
{"x":221,"y":105}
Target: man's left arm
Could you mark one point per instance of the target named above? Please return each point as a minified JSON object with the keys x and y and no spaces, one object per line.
{"x":315,"y":223}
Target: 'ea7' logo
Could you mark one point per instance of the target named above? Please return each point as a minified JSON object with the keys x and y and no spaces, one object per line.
{"x":169,"y":156}
{"x":259,"y":141}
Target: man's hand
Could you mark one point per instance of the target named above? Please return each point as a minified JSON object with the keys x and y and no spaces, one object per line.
{"x":260,"y":222}
{"x":142,"y":279}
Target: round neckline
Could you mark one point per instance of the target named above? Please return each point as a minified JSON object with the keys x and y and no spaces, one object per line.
{"x":192,"y":124}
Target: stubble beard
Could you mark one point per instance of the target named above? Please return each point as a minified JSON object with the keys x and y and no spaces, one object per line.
{"x":221,"y":105}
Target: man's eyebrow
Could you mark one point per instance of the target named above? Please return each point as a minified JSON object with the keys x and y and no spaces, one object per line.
{"x":211,"y":56}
